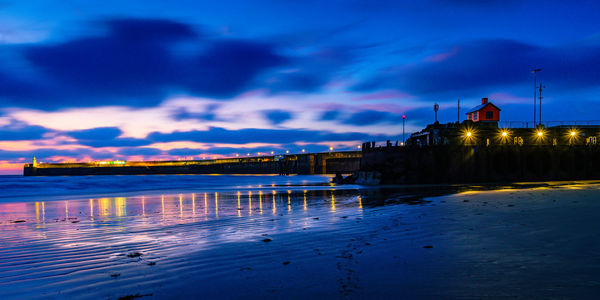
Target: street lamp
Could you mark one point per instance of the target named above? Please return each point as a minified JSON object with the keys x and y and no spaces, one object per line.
{"x":403,"y":118}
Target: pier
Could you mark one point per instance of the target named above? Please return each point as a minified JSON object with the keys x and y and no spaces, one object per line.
{"x":305,"y":164}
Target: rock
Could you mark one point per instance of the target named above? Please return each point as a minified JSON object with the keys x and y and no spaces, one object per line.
{"x":428,"y":247}
{"x":267,"y":240}
{"x":285,"y":263}
{"x":134,"y":254}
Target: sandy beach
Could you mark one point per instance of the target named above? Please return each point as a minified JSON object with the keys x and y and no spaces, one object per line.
{"x":294,"y":240}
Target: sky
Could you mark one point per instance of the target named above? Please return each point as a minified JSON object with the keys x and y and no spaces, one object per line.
{"x":154,"y":80}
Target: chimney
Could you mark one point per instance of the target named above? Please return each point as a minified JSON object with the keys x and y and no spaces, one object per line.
{"x":484,"y":100}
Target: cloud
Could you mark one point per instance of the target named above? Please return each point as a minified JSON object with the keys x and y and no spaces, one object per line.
{"x":21,"y":132}
{"x":330,"y":115}
{"x":485,"y":64}
{"x":244,"y":136}
{"x":105,"y":137}
{"x":278,"y":116}
{"x":368,"y":117}
{"x":137,"y":62}
{"x":309,"y":72}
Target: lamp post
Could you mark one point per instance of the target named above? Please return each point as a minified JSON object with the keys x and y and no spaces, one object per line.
{"x":403,"y":118}
{"x":534,"y":92}
{"x":436,"y":107}
{"x":540,"y":97}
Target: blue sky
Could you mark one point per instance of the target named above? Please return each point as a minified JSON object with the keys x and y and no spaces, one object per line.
{"x":83,"y":80}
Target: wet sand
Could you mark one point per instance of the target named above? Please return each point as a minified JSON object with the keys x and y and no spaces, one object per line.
{"x":303,"y":241}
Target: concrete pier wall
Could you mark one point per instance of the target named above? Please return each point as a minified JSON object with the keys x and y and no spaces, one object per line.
{"x":466,"y":164}
{"x":316,"y":163}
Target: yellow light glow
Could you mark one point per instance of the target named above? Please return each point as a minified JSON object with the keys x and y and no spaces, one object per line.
{"x":180,"y":206}
{"x":504,"y":133}
{"x":330,"y":148}
{"x":249,"y":202}
{"x":303,"y":150}
{"x":287,"y":151}
{"x":573,"y":133}
{"x":468,"y":133}
{"x":540,"y":133}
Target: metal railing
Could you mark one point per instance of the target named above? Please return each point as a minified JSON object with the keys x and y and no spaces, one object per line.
{"x":525,"y":124}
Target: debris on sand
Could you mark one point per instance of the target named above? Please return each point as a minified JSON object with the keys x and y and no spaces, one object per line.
{"x":267,"y":240}
{"x":245,"y":269}
{"x":285,"y":263}
{"x":428,"y":247}
{"x":315,"y":218}
{"x":115,"y":275}
{"x":151,"y":263}
{"x":75,"y":221}
{"x":134,"y":254}
{"x":18,"y":221}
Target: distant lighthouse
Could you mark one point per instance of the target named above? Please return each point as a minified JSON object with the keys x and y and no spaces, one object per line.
{"x":34,"y":162}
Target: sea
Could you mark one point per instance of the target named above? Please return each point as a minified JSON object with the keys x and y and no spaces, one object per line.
{"x":293,"y":237}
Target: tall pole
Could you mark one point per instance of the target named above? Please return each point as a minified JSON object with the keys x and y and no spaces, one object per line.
{"x":458,"y":111}
{"x":403,"y":118}
{"x":541,"y":102}
{"x":534,"y":93}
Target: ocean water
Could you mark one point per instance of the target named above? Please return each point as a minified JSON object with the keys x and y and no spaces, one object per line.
{"x":234,"y":237}
{"x":19,"y":188}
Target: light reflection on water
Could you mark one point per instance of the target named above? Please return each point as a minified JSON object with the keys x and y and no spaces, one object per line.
{"x":180,"y":207}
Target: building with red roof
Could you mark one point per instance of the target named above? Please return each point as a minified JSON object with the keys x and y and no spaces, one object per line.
{"x":486,"y":112}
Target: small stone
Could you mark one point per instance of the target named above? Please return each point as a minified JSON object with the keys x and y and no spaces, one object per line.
{"x":285,"y":263}
{"x":267,"y":240}
{"x":134,"y":254}
{"x":428,"y":247}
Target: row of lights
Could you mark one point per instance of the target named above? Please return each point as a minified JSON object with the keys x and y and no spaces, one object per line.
{"x":273,"y":152}
{"x":504,"y":133}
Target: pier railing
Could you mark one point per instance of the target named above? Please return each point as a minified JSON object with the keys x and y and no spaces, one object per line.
{"x":529,"y":124}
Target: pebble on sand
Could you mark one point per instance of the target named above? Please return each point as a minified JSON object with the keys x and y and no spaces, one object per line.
{"x":134,"y":254}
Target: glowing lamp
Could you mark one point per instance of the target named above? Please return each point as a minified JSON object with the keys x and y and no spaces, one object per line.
{"x":468,"y":133}
{"x":540,"y":133}
{"x":573,"y":133}
{"x":504,"y":133}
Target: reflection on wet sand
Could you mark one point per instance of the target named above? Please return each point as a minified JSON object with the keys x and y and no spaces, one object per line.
{"x":181,"y":207}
